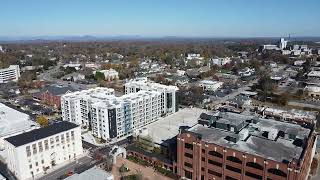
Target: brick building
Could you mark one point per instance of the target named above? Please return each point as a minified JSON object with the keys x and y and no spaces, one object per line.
{"x":244,"y":147}
{"x":51,"y":95}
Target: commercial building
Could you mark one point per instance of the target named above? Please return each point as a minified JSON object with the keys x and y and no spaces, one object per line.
{"x":235,"y":146}
{"x":32,"y":153}
{"x":109,"y":74}
{"x":13,"y":122}
{"x":294,"y":115}
{"x":12,"y":73}
{"x":208,"y":85}
{"x":168,"y":93}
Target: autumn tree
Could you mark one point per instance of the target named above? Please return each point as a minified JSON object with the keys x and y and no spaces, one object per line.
{"x":42,"y":121}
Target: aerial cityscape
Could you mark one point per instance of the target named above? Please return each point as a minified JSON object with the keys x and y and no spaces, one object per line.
{"x":159,"y":90}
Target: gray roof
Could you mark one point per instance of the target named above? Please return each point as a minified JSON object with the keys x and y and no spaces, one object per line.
{"x":251,"y":139}
{"x":94,"y":173}
{"x":57,"y":90}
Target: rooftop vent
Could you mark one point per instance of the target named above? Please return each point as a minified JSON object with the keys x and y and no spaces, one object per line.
{"x":231,"y":139}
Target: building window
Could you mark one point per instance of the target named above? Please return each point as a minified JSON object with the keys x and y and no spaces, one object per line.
{"x":72,"y":135}
{"x":46,"y":145}
{"x":40,"y":146}
{"x":233,"y":169}
{"x":62,"y":138}
{"x":215,"y":153}
{"x":188,"y":165}
{"x":203,"y":151}
{"x":234,"y":159}
{"x":34,"y":148}
{"x":188,"y":174}
{"x":28,"y":151}
{"x":254,"y":165}
{"x":214,"y":173}
{"x":188,"y":155}
{"x":30,"y":166}
{"x":214,"y":163}
{"x":230,"y":178}
{"x":188,"y":146}
{"x":67,"y":137}
{"x":277,"y":172}
{"x":252,"y":175}
{"x":57,"y":139}
{"x":203,"y":159}
{"x":51,"y":141}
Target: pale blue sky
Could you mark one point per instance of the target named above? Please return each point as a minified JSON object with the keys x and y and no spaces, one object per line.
{"x":215,"y":18}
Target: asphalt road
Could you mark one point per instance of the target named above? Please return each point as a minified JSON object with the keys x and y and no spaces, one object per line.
{"x":48,"y":76}
{"x":234,"y":94}
{"x":69,"y":167}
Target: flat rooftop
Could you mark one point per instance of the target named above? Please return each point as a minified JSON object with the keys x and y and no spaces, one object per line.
{"x":37,"y":134}
{"x":292,"y":113}
{"x":13,"y":121}
{"x":94,"y":173}
{"x":168,"y":127}
{"x":253,"y":140}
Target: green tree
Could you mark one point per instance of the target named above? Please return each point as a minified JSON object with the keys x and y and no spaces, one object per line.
{"x":99,"y":76}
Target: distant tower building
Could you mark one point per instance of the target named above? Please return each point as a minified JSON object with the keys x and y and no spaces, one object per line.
{"x":283,"y":43}
{"x":1,"y":50}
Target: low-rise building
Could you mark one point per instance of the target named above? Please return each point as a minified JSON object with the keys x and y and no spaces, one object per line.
{"x":314,"y":74}
{"x":220,"y":61}
{"x":191,"y":56}
{"x":313,"y":91}
{"x":294,"y":115}
{"x":51,"y":95}
{"x":109,"y":74}
{"x":209,"y":85}
{"x":12,"y":73}
{"x":32,"y":153}
{"x":74,"y":77}
{"x":246,"y":72}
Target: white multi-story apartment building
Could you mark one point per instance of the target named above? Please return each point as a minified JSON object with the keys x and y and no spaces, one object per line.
{"x":112,"y":117}
{"x":31,"y":154}
{"x":109,"y":116}
{"x":12,"y":73}
{"x":118,"y":117}
{"x":168,"y":93}
{"x":76,"y":106}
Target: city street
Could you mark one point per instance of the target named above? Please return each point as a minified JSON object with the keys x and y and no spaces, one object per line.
{"x":67,"y":168}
